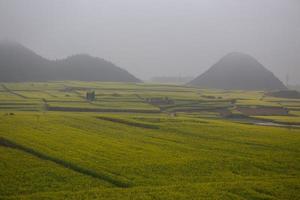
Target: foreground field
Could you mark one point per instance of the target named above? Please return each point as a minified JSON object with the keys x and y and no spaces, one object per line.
{"x":186,"y":149}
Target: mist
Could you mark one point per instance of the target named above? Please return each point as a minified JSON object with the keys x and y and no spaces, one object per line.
{"x":159,"y":37}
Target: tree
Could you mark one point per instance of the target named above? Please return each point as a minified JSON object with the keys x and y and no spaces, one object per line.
{"x":91,"y":96}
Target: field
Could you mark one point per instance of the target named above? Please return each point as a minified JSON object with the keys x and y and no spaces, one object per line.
{"x":146,"y":141}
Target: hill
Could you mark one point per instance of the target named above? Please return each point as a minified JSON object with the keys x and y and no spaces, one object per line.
{"x":238,"y":71}
{"x":20,"y":64}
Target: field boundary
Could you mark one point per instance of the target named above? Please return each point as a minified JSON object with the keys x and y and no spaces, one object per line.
{"x":12,"y":92}
{"x":129,"y":123}
{"x":72,"y":109}
{"x":101,"y":176}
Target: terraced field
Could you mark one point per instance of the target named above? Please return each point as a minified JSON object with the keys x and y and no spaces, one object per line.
{"x":176,"y":143}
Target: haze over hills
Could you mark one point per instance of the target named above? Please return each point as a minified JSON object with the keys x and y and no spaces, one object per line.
{"x":238,"y":71}
{"x":19,"y":64}
{"x":171,"y":79}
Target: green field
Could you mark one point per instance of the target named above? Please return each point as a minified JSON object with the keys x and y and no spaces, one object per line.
{"x":132,"y":143}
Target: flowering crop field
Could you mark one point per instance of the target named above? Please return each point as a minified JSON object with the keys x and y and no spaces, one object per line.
{"x":176,"y":143}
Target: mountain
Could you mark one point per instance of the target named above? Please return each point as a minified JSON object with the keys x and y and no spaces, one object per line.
{"x":20,"y":64}
{"x":238,"y":71}
{"x":87,"y":68}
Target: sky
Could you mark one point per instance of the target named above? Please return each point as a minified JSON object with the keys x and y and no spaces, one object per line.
{"x":159,"y":37}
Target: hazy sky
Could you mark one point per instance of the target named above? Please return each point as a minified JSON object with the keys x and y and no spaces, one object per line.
{"x":159,"y":37}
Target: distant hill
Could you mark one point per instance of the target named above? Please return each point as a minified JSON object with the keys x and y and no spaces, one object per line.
{"x":238,"y":71}
{"x":20,"y":64}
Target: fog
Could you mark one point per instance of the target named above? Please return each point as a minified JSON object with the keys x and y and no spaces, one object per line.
{"x":159,"y":37}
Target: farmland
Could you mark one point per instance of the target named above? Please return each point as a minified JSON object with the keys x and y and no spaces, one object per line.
{"x":146,"y":141}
